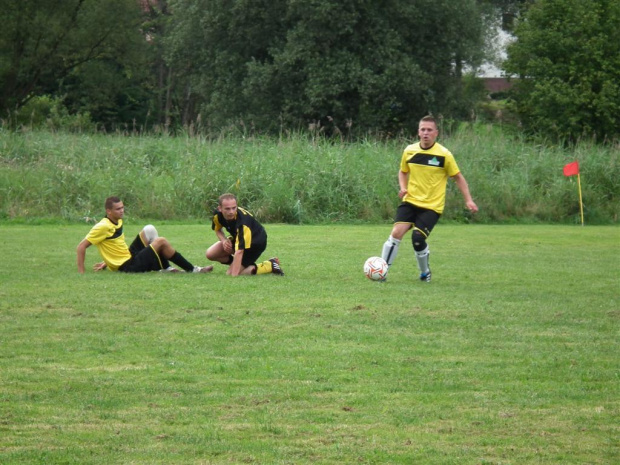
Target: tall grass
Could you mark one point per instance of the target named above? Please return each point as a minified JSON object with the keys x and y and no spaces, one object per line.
{"x":294,"y":179}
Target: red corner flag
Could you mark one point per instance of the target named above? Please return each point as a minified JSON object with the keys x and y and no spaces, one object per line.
{"x":571,"y":169}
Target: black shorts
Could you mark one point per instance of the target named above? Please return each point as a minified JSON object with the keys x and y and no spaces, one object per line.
{"x":143,"y":259}
{"x":251,"y":255}
{"x":422,"y":219}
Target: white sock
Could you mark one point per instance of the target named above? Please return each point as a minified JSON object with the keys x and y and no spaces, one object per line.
{"x":150,"y":233}
{"x":390,"y":249}
{"x":422,"y":257}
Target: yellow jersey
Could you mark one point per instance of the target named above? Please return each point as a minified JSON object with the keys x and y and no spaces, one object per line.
{"x":428,"y":170}
{"x":110,"y":241}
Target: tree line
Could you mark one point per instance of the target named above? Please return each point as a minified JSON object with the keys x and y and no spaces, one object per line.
{"x":347,"y":67}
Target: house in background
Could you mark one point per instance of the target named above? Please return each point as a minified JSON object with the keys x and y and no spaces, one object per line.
{"x":497,"y":84}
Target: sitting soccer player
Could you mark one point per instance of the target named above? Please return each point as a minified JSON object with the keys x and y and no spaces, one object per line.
{"x":148,"y":251}
{"x":247,"y":241}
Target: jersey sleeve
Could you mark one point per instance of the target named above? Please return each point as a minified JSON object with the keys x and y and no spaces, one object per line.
{"x":404,"y":166}
{"x":98,"y":234}
{"x":451,"y":167}
{"x":215,"y":222}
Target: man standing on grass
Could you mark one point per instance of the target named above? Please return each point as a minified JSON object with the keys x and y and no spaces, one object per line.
{"x":424,"y":170}
{"x":148,"y":251}
{"x":246,"y":243}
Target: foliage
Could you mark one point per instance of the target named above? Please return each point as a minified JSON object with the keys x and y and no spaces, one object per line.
{"x":88,"y":52}
{"x":50,"y":113}
{"x":568,"y":60}
{"x":508,"y":356}
{"x":342,"y":66}
{"x":297,"y":179}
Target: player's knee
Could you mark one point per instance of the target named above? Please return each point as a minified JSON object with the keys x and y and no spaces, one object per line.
{"x":399,"y":230}
{"x":150,"y":233}
{"x":418,"y":240}
{"x":160,"y":243}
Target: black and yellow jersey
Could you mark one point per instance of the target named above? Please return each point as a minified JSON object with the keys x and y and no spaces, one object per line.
{"x":428,"y":171}
{"x":244,"y":229}
{"x":110,"y":241}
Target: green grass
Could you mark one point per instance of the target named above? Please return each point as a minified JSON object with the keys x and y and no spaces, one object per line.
{"x":510,"y":355}
{"x":297,"y":179}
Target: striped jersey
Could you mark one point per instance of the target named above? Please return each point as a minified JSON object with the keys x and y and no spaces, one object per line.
{"x":244,"y":229}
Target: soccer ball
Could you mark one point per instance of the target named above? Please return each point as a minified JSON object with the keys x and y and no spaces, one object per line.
{"x":375,"y":268}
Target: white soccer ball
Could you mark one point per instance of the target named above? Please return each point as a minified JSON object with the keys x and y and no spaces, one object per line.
{"x":376,"y":268}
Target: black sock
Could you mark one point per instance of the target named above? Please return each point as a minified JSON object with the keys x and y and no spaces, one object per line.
{"x":178,"y":259}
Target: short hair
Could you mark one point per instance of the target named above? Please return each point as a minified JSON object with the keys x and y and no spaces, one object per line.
{"x":110,"y":201}
{"x":429,"y":119}
{"x":226,"y":197}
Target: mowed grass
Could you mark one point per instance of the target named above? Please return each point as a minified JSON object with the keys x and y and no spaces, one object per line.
{"x":510,"y":356}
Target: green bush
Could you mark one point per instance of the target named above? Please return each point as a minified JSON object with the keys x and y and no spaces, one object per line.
{"x":46,"y":112}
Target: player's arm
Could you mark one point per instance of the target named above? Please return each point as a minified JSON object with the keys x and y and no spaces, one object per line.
{"x":403,"y":178}
{"x":220,"y":235}
{"x":461,"y":183}
{"x":235,"y":267}
{"x":226,"y":244}
{"x":81,"y":254}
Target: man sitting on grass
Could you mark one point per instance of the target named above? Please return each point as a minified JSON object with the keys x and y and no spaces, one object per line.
{"x":247,"y":241}
{"x":148,"y":252}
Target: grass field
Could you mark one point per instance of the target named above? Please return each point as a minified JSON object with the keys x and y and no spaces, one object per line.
{"x":510,"y":356}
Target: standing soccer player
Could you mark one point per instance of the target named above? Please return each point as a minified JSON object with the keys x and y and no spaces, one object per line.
{"x":424,"y":171}
{"x":246,"y":242}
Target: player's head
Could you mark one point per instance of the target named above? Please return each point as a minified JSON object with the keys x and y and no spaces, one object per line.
{"x":227,"y":206}
{"x":226,"y":197}
{"x":427,"y":131}
{"x":110,"y":201}
{"x":114,"y":208}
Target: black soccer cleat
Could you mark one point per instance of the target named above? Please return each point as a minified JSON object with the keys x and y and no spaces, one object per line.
{"x":275,"y":266}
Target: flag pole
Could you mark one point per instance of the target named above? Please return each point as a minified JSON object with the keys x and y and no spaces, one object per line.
{"x":580,"y":200}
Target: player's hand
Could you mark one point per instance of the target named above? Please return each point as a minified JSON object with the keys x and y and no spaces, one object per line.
{"x":472,"y":207}
{"x":99,"y":266}
{"x":228,"y":247}
{"x":402,"y":193}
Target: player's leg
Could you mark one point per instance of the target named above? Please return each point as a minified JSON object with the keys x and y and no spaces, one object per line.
{"x":216,"y":253}
{"x":144,"y":239}
{"x":402,"y":223}
{"x":270,"y":266}
{"x":138,"y":244}
{"x":390,"y":247}
{"x":163,"y":248}
{"x":426,"y":221}
{"x":250,"y":258}
{"x":143,"y":261}
{"x":149,"y":234}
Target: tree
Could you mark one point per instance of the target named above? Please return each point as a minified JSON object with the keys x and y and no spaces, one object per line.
{"x":376,"y":65}
{"x":62,"y":46}
{"x":567,"y":58}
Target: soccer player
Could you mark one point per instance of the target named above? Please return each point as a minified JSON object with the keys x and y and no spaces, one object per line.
{"x":148,"y":251}
{"x":245,"y":242}
{"x":424,"y":170}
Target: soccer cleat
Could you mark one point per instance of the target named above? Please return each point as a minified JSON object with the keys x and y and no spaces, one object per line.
{"x":203,"y":269}
{"x":170,"y":269}
{"x":275,"y":266}
{"x":426,"y":277}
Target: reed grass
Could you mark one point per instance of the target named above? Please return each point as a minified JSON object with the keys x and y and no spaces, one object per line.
{"x":295,"y":179}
